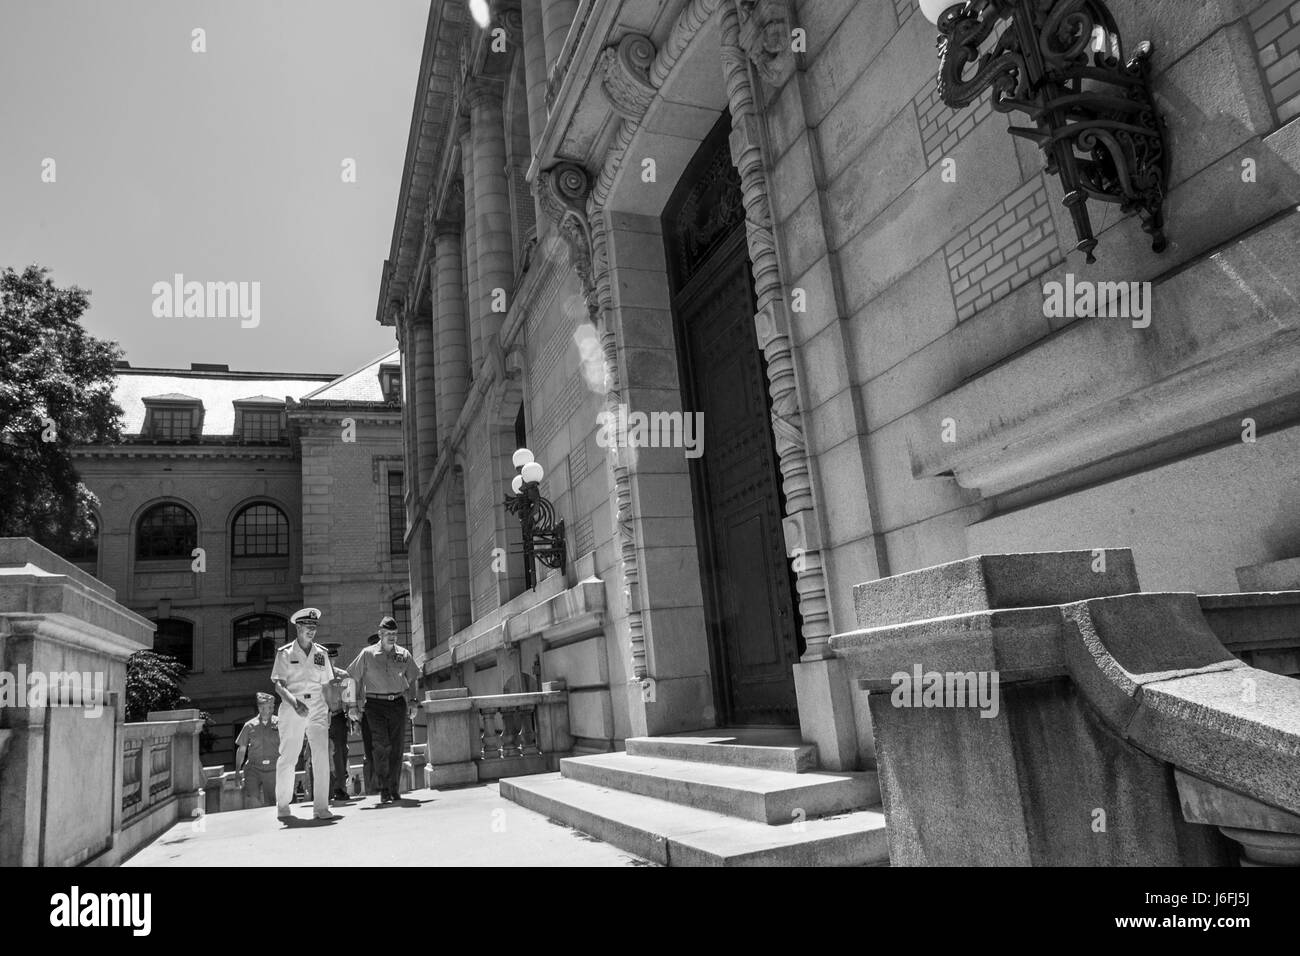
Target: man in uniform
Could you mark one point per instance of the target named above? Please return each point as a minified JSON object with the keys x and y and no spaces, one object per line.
{"x":259,"y":740}
{"x":386,"y":680}
{"x":302,"y":669}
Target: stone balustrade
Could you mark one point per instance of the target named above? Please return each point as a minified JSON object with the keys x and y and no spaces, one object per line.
{"x":1039,"y":709}
{"x":469,"y":739}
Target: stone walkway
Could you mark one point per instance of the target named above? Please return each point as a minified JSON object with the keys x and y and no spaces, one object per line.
{"x":472,"y":826}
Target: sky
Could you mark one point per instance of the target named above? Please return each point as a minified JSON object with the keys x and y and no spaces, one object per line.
{"x":222,"y":166}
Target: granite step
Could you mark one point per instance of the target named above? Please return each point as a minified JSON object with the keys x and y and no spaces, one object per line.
{"x":765,"y":796}
{"x":726,"y":751}
{"x":672,"y":834}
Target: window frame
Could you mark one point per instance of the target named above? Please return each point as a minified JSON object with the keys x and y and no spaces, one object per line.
{"x":277,"y":557}
{"x":160,"y":622}
{"x":139,"y":537}
{"x":235,"y":638}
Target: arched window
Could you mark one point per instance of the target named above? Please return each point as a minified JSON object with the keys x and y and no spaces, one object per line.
{"x":166,"y":531}
{"x":260,"y":531}
{"x":256,"y":638}
{"x":175,"y":637}
{"x":402,"y":615}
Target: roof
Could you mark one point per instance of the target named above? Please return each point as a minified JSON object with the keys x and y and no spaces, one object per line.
{"x":218,"y":391}
{"x":361,"y":385}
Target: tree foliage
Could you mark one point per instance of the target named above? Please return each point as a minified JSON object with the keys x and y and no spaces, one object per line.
{"x":153,"y":682}
{"x":56,"y":392}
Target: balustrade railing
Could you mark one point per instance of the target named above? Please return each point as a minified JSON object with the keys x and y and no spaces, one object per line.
{"x":508,"y":731}
{"x":148,"y":764}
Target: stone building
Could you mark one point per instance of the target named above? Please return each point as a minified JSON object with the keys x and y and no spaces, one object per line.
{"x":761,"y":212}
{"x":253,"y":468}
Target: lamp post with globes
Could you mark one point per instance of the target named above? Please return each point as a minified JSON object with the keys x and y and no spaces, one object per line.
{"x":543,"y":535}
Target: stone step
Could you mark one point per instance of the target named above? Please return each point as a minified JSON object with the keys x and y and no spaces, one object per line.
{"x":726,"y":751}
{"x":768,"y":796}
{"x":671,"y":834}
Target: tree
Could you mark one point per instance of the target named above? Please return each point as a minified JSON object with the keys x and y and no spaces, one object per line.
{"x":56,"y":391}
{"x":153,"y":682}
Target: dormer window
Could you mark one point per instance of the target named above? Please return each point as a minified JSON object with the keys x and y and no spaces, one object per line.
{"x":173,"y":418}
{"x":390,"y":381}
{"x":259,"y":420}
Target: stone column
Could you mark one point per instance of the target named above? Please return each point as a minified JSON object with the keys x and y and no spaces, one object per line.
{"x":450,"y":341}
{"x":426,"y":418}
{"x":535,"y":75}
{"x":534,"y":56}
{"x":471,"y":239}
{"x":493,"y":251}
{"x":557,"y":18}
{"x":406,"y":345}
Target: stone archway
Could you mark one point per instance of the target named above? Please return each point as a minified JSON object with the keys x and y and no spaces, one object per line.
{"x":667,"y":99}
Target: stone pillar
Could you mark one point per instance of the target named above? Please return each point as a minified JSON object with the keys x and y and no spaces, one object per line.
{"x":61,"y":756}
{"x":557,"y":19}
{"x":471,"y":241}
{"x":535,"y":74}
{"x":493,"y":251}
{"x":426,"y":418}
{"x":450,"y":341}
{"x":406,"y":345}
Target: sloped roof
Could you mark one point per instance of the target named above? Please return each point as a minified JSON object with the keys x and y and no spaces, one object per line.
{"x":218,"y":391}
{"x":361,"y":385}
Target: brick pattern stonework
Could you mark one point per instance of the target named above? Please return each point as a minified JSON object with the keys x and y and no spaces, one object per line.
{"x":1003,"y":249}
{"x":905,"y":9}
{"x":942,"y":127}
{"x":562,"y":409}
{"x":1276,"y":24}
{"x":584,"y":537}
{"x":578,"y":463}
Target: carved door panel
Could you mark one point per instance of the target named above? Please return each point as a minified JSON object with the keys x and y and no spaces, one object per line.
{"x":749,"y":598}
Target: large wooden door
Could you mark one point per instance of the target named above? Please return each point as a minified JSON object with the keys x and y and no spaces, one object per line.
{"x":749,"y":601}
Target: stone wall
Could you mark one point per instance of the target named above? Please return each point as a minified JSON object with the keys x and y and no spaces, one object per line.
{"x":916,"y":285}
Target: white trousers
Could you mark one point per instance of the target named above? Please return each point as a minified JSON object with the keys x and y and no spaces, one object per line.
{"x":316,"y":725}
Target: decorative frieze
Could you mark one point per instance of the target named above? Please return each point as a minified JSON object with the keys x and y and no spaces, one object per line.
{"x":765,"y":37}
{"x":772,"y":328}
{"x":624,"y":70}
{"x":562,"y":192}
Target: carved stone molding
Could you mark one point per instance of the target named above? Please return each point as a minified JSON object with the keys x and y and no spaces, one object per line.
{"x":765,"y":38}
{"x":562,"y":192}
{"x":480,"y":92}
{"x":446,"y":227}
{"x":511,"y":19}
{"x":619,"y":463}
{"x":689,"y":23}
{"x":625,"y":69}
{"x":772,"y":328}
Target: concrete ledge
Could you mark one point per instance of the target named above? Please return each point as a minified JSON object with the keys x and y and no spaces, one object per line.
{"x":995,"y":581}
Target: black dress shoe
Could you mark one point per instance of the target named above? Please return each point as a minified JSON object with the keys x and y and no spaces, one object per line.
{"x":341,"y":795}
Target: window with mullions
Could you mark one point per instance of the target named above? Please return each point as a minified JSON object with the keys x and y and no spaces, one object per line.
{"x":396,"y":514}
{"x":263,"y":425}
{"x":402,"y":615}
{"x":166,"y":531}
{"x":260,"y":531}
{"x":171,"y":424}
{"x":256,"y":638}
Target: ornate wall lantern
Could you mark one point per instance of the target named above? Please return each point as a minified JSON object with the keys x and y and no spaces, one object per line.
{"x":543,"y":535}
{"x":1061,"y":62}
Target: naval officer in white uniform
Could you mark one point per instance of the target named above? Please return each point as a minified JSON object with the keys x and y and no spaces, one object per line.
{"x":302,"y":668}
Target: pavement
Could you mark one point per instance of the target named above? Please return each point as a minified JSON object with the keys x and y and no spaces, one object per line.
{"x":470,"y":826}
